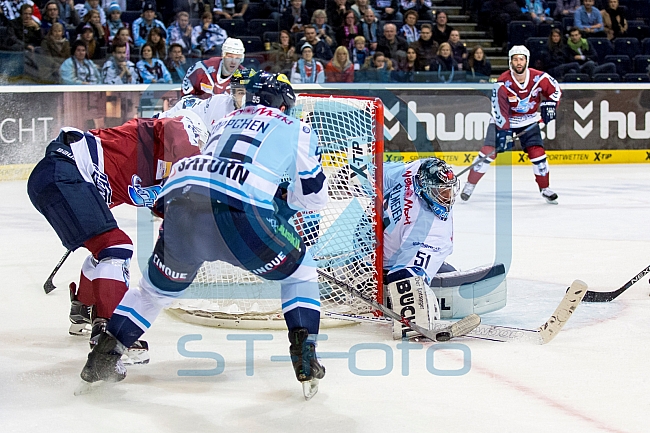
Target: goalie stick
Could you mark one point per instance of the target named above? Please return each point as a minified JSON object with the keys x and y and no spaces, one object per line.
{"x":48,"y":286}
{"x":610,"y":296}
{"x":541,"y":335}
{"x":444,"y":333}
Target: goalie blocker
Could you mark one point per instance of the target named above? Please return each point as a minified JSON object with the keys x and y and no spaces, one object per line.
{"x":452,"y":295}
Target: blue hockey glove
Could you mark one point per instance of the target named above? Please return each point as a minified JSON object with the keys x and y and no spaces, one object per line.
{"x":548,"y":111}
{"x":504,"y":140}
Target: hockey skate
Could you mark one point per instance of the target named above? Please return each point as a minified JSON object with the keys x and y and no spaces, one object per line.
{"x":468,"y":189}
{"x":305,"y":363}
{"x":549,"y":195}
{"x":136,"y":354}
{"x":79,"y":314}
{"x":103,"y":364}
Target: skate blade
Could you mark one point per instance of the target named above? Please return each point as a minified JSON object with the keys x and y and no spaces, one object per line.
{"x":310,"y":388}
{"x":135,"y":358}
{"x":79,"y":329}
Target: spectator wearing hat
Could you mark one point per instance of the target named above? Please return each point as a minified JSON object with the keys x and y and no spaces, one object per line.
{"x":152,"y":70}
{"x":180,"y":32}
{"x":93,"y":5}
{"x":143,"y":25}
{"x":78,"y":69}
{"x":307,"y":69}
{"x":92,"y":19}
{"x":113,"y":22}
{"x":93,"y":50}
{"x":208,"y":37}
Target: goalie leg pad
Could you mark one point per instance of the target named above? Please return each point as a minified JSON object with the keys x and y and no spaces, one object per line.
{"x":414,"y":300}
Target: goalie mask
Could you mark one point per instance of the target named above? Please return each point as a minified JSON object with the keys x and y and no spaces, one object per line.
{"x":437,"y":185}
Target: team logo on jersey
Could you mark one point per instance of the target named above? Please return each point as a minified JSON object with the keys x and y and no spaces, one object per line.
{"x":524,"y":106}
{"x":103,"y":185}
{"x":142,"y":197}
{"x":306,"y":129}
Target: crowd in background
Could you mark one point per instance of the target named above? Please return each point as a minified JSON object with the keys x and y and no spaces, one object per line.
{"x":311,"y":41}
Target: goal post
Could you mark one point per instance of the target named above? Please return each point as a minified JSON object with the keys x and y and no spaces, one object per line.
{"x":345,"y":238}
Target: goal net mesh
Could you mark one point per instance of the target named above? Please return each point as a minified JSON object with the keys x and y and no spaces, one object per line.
{"x":343,"y":237}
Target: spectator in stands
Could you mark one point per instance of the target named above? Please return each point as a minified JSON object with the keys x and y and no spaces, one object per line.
{"x":345,"y":35}
{"x":113,"y":22}
{"x":307,"y":69}
{"x":477,"y":66}
{"x":392,"y":45}
{"x":282,"y":53}
{"x":359,"y":53}
{"x":123,"y":35}
{"x":180,"y":32}
{"x":555,"y":60}
{"x":294,"y":18}
{"x":589,"y":20}
{"x":152,"y":70}
{"x":324,"y":31}
{"x":444,"y":65}
{"x":388,"y":10}
{"x":370,"y":29}
{"x":55,"y":49}
{"x":566,"y":8}
{"x":77,"y":69}
{"x":614,"y":20}
{"x":377,"y":69}
{"x":340,"y":69}
{"x":231,"y":9}
{"x":405,"y":69}
{"x":500,"y":13}
{"x":25,"y":30}
{"x":409,"y":31}
{"x":11,"y":9}
{"x":422,"y":7}
{"x":441,"y":30}
{"x":51,"y":16}
{"x":359,"y":8}
{"x":145,"y":23}
{"x":67,"y":12}
{"x":336,"y":12}
{"x":581,"y":51}
{"x":208,"y":37}
{"x":426,"y":47}
{"x":156,"y":39}
{"x":458,"y":49}
{"x":176,"y":63}
{"x":93,"y":5}
{"x":538,"y":10}
{"x":322,"y":51}
{"x":93,"y":50}
{"x":92,"y":19}
{"x":118,"y":70}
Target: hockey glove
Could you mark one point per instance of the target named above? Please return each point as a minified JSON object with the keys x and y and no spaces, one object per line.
{"x":504,"y":140}
{"x":548,"y":111}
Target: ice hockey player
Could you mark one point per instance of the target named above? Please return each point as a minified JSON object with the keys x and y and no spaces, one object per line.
{"x":515,"y":99}
{"x":228,"y":205}
{"x":83,"y":176}
{"x":212,"y":76}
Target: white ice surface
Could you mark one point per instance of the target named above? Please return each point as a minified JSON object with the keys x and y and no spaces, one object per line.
{"x":595,"y":376}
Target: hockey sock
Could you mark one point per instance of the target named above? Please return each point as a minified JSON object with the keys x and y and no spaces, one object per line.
{"x":537,"y":156}
{"x":301,"y":297}
{"x":85,"y":293}
{"x":476,"y":173}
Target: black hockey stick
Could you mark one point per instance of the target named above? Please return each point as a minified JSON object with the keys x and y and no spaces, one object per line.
{"x":610,"y":296}
{"x":49,"y":284}
{"x":482,"y":159}
{"x":461,"y":327}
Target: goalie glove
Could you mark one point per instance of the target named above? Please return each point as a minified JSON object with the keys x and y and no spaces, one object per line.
{"x":548,"y":111}
{"x":504,"y":140}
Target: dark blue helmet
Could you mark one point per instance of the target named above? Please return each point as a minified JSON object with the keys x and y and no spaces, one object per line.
{"x":272,"y":90}
{"x":437,"y":185}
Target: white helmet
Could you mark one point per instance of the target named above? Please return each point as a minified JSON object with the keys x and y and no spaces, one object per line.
{"x":234,"y":46}
{"x":194,"y":126}
{"x":518,"y":50}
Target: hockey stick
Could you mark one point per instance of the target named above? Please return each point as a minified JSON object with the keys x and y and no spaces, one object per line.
{"x":49,"y":284}
{"x":541,"y":335}
{"x":445,"y":333}
{"x":610,"y":296}
{"x":482,"y":159}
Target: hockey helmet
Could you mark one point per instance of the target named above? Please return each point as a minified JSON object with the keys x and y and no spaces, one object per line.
{"x":234,"y":46}
{"x":518,"y":50}
{"x":272,"y":90}
{"x":238,"y":82}
{"x":437,"y":185}
{"x":194,"y":126}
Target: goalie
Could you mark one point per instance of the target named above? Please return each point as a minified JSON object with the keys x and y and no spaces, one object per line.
{"x":418,"y":237}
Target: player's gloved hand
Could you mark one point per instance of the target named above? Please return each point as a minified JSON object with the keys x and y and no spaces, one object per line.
{"x":548,"y":111}
{"x":504,"y":140}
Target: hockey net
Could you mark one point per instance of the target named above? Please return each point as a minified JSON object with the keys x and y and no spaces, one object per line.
{"x":344,"y":238}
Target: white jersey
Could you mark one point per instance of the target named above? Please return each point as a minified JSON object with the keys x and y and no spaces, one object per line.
{"x":414,"y":238}
{"x":210,"y":110}
{"x":250,"y":153}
